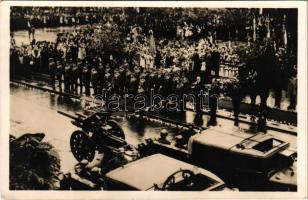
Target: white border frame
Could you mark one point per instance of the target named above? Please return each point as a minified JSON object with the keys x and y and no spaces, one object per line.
{"x":302,"y":104}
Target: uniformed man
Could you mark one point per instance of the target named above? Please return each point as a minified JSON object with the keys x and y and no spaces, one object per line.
{"x":168,"y":60}
{"x":52,"y":72}
{"x":127,"y":80}
{"x":101,"y":77}
{"x":186,"y":134}
{"x":86,"y":75}
{"x":163,"y":137}
{"x":236,"y":101}
{"x":167,"y":85}
{"x":261,"y":124}
{"x":141,"y":86}
{"x":74,"y":78}
{"x":94,"y":79}
{"x":79,"y":74}
{"x":213,"y":103}
{"x":133,"y":85}
{"x":196,"y":65}
{"x":67,"y":76}
{"x":157,"y":60}
{"x":59,"y":73}
{"x":198,"y":88}
{"x":122,"y":78}
{"x":151,"y":83}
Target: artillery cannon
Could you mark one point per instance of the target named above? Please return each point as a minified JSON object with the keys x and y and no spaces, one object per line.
{"x":97,"y":133}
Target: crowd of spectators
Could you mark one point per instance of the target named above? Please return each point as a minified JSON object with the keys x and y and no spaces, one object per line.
{"x":130,"y":50}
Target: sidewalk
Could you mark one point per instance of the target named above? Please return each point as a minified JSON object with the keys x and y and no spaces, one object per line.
{"x":278,"y":120}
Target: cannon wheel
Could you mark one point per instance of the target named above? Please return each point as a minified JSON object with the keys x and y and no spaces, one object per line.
{"x":116,"y":129}
{"x":82,"y":146}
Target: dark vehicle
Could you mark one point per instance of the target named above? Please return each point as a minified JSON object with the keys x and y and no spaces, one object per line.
{"x":244,"y":160}
{"x":160,"y":172}
{"x":107,"y":162}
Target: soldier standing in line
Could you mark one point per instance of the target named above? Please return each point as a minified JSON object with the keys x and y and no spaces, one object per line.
{"x":59,"y":73}
{"x":86,"y":75}
{"x":236,"y":95}
{"x":198,"y":88}
{"x":116,"y":82}
{"x":261,"y":124}
{"x":196,"y":65}
{"x":292,"y":92}
{"x":122,"y":79}
{"x":127,"y":81}
{"x":133,"y":85}
{"x":94,"y":79}
{"x":74,"y":78}
{"x":52,"y":72}
{"x":101,"y":77}
{"x":151,"y":84}
{"x":79,"y":74}
{"x":213,"y":103}
{"x":67,"y":77}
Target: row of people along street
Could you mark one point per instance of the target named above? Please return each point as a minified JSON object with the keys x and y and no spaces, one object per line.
{"x":137,"y":61}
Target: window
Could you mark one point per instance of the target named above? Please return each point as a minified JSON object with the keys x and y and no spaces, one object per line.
{"x":267,"y":145}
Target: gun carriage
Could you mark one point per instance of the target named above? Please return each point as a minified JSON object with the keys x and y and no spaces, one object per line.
{"x":244,"y":160}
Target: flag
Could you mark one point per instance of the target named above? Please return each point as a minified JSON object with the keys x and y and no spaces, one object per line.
{"x":261,"y":11}
{"x":152,"y":43}
{"x":285,"y":38}
{"x":284,"y":31}
{"x":268,"y":35}
{"x":254,"y":37}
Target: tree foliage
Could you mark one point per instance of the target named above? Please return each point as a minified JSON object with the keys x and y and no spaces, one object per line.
{"x":34,"y":165}
{"x":260,"y":67}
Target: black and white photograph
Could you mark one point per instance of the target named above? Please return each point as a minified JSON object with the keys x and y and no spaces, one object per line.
{"x":151,"y":98}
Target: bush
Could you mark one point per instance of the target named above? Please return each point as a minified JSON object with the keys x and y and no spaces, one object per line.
{"x":34,"y":165}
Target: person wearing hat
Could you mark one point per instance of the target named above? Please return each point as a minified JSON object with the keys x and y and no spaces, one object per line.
{"x":179,"y":141}
{"x":168,"y":60}
{"x":166,"y":86}
{"x":101,"y":77}
{"x":198,"y":88}
{"x":86,"y":74}
{"x":187,"y":133}
{"x":59,"y":73}
{"x":94,"y":79}
{"x":127,"y":80}
{"x":157,"y":59}
{"x":74,"y":78}
{"x":133,"y":85}
{"x":163,"y":137}
{"x":151,"y":83}
{"x":79,"y":74}
{"x":117,"y":82}
{"x":196,"y":65}
{"x":52,"y":72}
{"x":67,"y":76}
{"x":213,"y":103}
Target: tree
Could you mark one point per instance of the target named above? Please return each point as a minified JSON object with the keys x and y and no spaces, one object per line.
{"x":34,"y":165}
{"x":259,"y":71}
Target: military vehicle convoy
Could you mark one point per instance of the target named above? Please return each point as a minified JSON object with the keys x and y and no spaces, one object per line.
{"x":246,"y":160}
{"x":243,"y":160}
{"x":163,"y":173}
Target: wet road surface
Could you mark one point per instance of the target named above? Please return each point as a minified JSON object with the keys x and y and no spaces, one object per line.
{"x":34,"y":111}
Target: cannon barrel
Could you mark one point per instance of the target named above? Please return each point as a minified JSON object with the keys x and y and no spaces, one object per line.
{"x":74,"y":117}
{"x":77,"y":119}
{"x":98,"y":132}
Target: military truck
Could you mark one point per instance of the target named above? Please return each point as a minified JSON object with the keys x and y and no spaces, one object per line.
{"x":245,"y":160}
{"x":162,"y":173}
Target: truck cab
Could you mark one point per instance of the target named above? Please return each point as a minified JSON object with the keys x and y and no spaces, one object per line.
{"x":160,"y":172}
{"x":246,"y":157}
